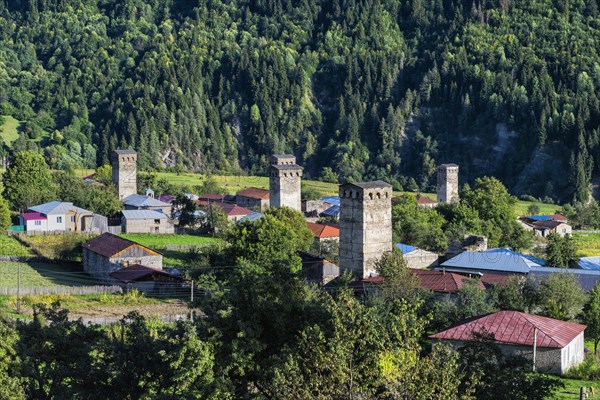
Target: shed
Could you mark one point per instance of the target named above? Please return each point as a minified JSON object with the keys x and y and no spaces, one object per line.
{"x":558,"y":344}
{"x":148,"y":279}
{"x":146,"y":221}
{"x":108,"y":253}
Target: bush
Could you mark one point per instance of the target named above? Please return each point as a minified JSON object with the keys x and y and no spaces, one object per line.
{"x":588,"y":370}
{"x":528,"y":197}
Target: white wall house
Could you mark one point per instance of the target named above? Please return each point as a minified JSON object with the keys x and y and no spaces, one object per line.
{"x":56,"y":216}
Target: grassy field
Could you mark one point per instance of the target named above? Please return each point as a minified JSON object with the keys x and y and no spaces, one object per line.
{"x":160,"y":241}
{"x":9,"y":246}
{"x":588,"y":244}
{"x":42,"y":275}
{"x":9,"y":129}
{"x":545,"y":209}
{"x":572,"y":386}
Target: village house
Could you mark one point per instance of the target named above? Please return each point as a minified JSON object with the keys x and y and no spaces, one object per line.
{"x":416,"y":257}
{"x":557,"y":345}
{"x":142,"y":202}
{"x":108,"y":253}
{"x":234,"y":212}
{"x":146,"y":221}
{"x":492,"y":260}
{"x":543,"y":225}
{"x":324,"y":234}
{"x":318,"y":270}
{"x":57,"y":216}
{"x":253,"y":198}
{"x":426,"y":201}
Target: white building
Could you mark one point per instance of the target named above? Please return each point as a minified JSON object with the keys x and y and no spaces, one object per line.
{"x":57,"y":216}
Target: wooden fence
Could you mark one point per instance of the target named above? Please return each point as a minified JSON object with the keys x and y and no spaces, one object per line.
{"x":77,"y":290}
{"x":165,"y":318}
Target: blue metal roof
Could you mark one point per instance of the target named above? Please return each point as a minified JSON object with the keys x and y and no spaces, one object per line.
{"x":253,"y":216}
{"x":333,"y":211}
{"x":504,"y":260}
{"x":139,"y":200}
{"x":590,"y":263}
{"x":143,"y":214}
{"x":540,"y":218}
{"x":587,"y":278}
{"x":333,"y":200}
{"x":405,"y":248}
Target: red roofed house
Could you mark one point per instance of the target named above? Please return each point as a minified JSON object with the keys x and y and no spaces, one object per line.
{"x":558,"y":345}
{"x":425,"y":201}
{"x":108,"y":253}
{"x":443,"y":282}
{"x":233,"y":211}
{"x":254,"y":198}
{"x":324,"y":232}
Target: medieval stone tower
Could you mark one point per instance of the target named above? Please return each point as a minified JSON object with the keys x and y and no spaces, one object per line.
{"x":447,"y":183}
{"x":285,"y":177}
{"x":124,"y":172}
{"x":365,"y":225}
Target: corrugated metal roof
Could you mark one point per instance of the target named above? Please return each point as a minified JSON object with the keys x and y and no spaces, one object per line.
{"x":333,"y":211}
{"x":139,"y":200}
{"x":442,"y":282}
{"x":546,"y":224}
{"x":590,"y":263}
{"x":143,"y":214}
{"x":517,"y":328}
{"x":58,"y":208}
{"x":108,"y":245}
{"x":254,"y":193}
{"x":33,"y":216}
{"x":333,"y":200}
{"x":587,"y":278}
{"x":253,"y":216}
{"x":504,"y":260}
{"x":405,"y":248}
{"x":424,"y":200}
{"x":232,"y":209}
{"x":125,"y":152}
{"x":137,"y":272}
{"x":559,"y":217}
{"x":540,"y":218}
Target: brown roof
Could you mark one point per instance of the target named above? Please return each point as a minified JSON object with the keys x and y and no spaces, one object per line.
{"x":559,"y":217}
{"x":136,"y":272}
{"x":517,"y":328}
{"x":424,"y":200}
{"x":108,"y":245}
{"x":211,"y":196}
{"x":232,"y":209}
{"x":546,"y":224}
{"x":324,"y":230}
{"x":442,"y":282}
{"x":254,"y":193}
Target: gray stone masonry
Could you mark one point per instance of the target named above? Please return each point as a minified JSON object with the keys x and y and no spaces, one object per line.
{"x":447,"y":183}
{"x":100,"y":266}
{"x":365,"y":225}
{"x":124,"y":172}
{"x":285,"y":177}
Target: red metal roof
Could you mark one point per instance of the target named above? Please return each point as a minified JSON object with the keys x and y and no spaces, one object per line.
{"x":546,"y":224}
{"x":442,"y":282}
{"x":254,"y":193}
{"x":324,"y":230}
{"x":108,"y":245}
{"x":496,"y":279}
{"x":517,"y":328}
{"x":424,"y":200}
{"x":33,"y":216}
{"x":232,"y":209}
{"x":211,"y":197}
{"x":559,"y":217}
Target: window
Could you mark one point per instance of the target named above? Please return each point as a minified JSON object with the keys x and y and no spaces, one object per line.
{"x":157,"y":221}
{"x":125,"y":264}
{"x":72,"y":218}
{"x":59,"y":220}
{"x":38,"y":223}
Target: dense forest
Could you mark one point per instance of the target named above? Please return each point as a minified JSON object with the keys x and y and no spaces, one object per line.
{"x":356,"y":89}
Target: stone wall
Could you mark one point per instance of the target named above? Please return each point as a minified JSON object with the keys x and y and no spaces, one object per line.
{"x":447,"y":183}
{"x":365,"y":227}
{"x":285,"y":178}
{"x":147,"y":226}
{"x":124,"y":173}
{"x":420,"y":258}
{"x":252,"y":203}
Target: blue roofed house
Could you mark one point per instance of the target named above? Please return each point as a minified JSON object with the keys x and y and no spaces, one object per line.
{"x":142,"y":202}
{"x":332,"y":212}
{"x":416,"y":257}
{"x":492,"y":260}
{"x":314,"y":208}
{"x":543,"y":225}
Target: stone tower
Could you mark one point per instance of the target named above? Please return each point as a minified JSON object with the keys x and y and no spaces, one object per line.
{"x":285,"y":177}
{"x":124,"y":172}
{"x":365,"y":225}
{"x":447,"y":183}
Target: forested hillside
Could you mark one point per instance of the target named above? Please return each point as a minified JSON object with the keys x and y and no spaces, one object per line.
{"x":370,"y":88}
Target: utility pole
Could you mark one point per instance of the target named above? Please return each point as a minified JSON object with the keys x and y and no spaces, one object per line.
{"x":535,"y":331}
{"x":192,"y":293}
{"x":192,"y":302}
{"x":19,"y":288}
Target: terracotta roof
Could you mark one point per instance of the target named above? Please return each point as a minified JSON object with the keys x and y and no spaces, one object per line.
{"x":136,"y":272}
{"x":232,"y":209}
{"x":442,"y":282}
{"x":254,"y":193}
{"x":33,"y":216}
{"x":517,"y":328}
{"x":324,"y":230}
{"x":167,"y":198}
{"x":424,"y":200}
{"x":559,"y":217}
{"x":108,"y":245}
